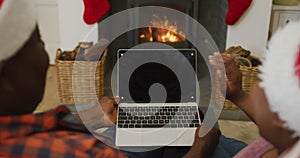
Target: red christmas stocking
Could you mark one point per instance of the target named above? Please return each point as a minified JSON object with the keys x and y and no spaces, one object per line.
{"x":297,"y":65}
{"x":236,"y":8}
{"x":94,"y":10}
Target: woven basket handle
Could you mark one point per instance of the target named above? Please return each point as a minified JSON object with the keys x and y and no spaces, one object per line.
{"x":245,"y":59}
{"x":58,"y":52}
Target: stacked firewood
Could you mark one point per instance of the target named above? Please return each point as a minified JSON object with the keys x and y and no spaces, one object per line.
{"x":241,"y":53}
{"x":84,"y":51}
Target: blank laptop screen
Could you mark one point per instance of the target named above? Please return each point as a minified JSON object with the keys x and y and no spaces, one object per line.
{"x":135,"y":79}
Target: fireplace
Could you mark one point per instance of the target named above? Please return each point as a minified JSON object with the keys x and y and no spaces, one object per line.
{"x":210,"y":14}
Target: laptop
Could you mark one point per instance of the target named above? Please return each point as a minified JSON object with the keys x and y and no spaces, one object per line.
{"x":158,"y":97}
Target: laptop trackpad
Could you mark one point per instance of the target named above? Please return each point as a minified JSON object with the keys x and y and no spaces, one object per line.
{"x":167,"y":137}
{"x":129,"y":137}
{"x":155,"y":137}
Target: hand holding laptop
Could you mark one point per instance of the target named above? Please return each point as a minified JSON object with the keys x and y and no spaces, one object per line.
{"x":104,"y":114}
{"x":109,"y":108}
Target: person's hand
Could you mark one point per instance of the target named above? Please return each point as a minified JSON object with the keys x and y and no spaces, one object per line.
{"x":204,"y":146}
{"x":109,"y":108}
{"x":103,"y":115}
{"x":232,"y":73}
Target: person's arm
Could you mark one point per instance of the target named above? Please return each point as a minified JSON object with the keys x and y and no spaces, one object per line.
{"x":234,"y":90}
{"x":204,"y":146}
{"x":245,"y":102}
{"x":22,"y":77}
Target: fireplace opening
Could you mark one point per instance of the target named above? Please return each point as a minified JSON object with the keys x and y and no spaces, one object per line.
{"x":163,"y":28}
{"x":156,"y":32}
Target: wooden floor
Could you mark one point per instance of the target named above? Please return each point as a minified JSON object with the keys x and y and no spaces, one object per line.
{"x":50,"y":99}
{"x":241,"y":130}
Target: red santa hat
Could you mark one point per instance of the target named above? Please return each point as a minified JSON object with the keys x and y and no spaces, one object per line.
{"x":280,"y":74}
{"x":17,"y":22}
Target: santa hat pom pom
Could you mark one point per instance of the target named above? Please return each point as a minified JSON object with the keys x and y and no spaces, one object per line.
{"x":17,"y":21}
{"x":280,"y":74}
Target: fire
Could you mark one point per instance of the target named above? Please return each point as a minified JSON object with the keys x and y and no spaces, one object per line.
{"x":163,"y":30}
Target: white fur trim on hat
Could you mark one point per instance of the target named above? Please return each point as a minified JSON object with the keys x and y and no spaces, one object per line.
{"x":294,"y":152}
{"x":17,"y":22}
{"x":279,"y":80}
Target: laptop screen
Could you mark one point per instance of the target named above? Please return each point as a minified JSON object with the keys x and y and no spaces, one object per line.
{"x":142,"y":69}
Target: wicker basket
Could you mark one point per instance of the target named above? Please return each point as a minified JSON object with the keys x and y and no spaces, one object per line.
{"x":89,"y":81}
{"x":249,"y":77}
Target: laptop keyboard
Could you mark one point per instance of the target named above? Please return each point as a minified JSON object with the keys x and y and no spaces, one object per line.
{"x":158,"y":116}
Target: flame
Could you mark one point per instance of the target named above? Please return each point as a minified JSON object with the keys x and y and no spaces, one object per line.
{"x":162,"y":30}
{"x":142,"y":36}
{"x":150,"y":32}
